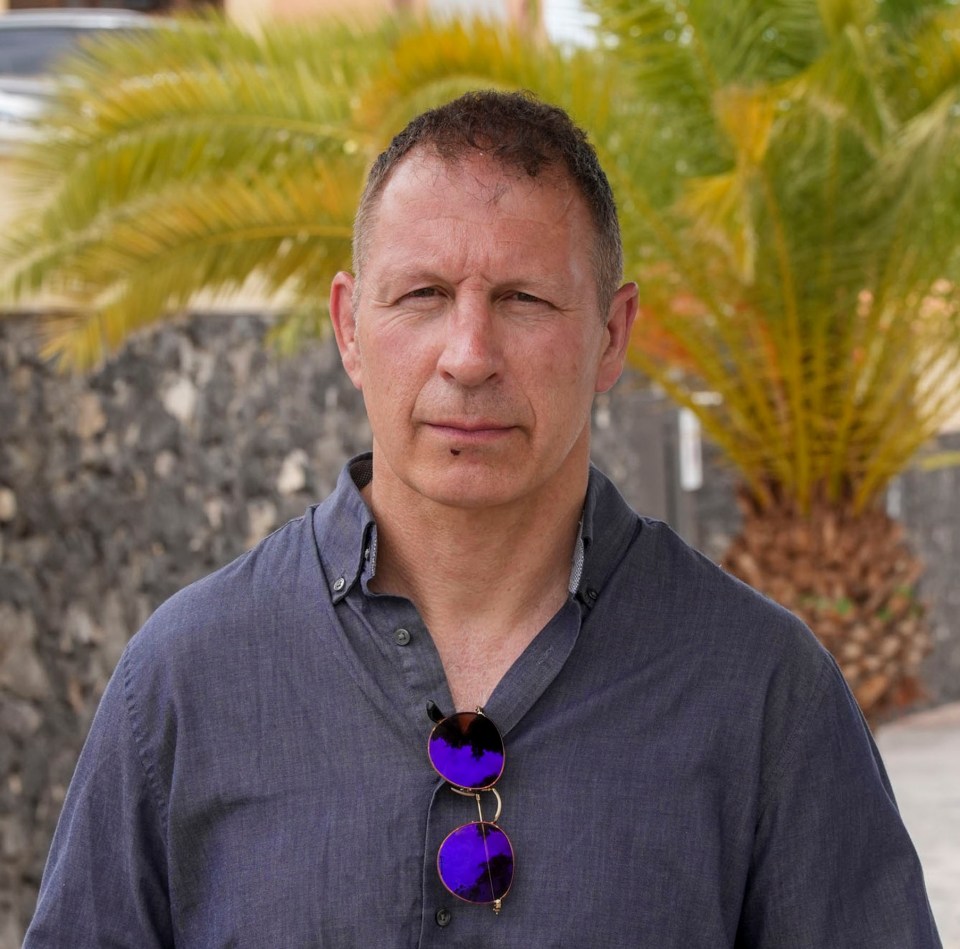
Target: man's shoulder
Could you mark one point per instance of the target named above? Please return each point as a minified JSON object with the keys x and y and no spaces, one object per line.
{"x":654,"y":561}
{"x":696,"y":603}
{"x":653,"y":566}
{"x":693,"y":573}
{"x":750,"y":666}
{"x":235,"y":603}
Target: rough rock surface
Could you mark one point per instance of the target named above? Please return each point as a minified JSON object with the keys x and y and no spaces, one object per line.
{"x":115,"y":491}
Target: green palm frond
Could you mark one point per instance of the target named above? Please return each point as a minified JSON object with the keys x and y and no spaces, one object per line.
{"x":423,"y":70}
{"x":802,"y":261}
{"x":183,"y":103}
{"x":292,"y":230}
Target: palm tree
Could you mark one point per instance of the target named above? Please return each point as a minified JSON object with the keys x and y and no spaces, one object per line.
{"x":794,"y":225}
{"x":787,"y":183}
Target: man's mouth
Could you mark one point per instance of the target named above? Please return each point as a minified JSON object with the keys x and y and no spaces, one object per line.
{"x":470,"y":426}
{"x":462,"y":434}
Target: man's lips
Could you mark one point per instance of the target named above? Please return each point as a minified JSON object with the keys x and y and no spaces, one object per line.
{"x":471,"y":430}
{"x":470,"y":425}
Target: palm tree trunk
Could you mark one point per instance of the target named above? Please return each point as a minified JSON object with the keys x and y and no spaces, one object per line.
{"x":853,"y":579}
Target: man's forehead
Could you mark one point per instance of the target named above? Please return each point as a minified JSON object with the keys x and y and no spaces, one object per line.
{"x":476,"y":171}
{"x":426,"y":186}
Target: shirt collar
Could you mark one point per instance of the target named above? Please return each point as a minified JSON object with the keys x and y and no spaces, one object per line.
{"x":345,"y":533}
{"x":608,"y":527}
{"x":344,"y":528}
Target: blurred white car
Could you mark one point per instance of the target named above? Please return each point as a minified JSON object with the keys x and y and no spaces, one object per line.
{"x":31,"y":43}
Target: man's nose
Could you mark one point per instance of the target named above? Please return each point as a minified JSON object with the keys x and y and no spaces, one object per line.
{"x":472,"y":352}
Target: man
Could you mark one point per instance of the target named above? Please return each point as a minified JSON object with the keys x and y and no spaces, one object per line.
{"x":649,"y":754}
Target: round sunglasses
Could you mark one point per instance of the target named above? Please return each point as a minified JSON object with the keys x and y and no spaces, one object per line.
{"x":475,"y":861}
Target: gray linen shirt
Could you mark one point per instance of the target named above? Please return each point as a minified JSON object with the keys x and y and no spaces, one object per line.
{"x":685,"y":767}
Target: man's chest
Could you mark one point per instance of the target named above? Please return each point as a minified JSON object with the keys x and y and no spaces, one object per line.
{"x":316,"y":836}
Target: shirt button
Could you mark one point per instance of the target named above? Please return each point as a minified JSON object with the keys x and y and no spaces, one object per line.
{"x":402,"y":637}
{"x":339,"y":584}
{"x":444,"y":917}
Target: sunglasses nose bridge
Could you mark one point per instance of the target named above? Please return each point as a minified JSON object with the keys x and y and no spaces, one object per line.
{"x":476,"y":796}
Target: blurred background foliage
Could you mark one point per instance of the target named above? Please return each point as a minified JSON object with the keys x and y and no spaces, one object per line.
{"x":789,"y":188}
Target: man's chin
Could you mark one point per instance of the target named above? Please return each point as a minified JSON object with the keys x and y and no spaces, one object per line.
{"x":471,"y":483}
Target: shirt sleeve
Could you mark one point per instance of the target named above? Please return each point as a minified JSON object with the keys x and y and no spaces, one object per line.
{"x":105,"y":878}
{"x":833,"y":865}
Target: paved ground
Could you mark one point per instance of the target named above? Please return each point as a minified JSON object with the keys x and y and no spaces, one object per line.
{"x":922,"y":755}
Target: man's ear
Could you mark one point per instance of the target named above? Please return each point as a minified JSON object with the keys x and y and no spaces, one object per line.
{"x":622,"y":313}
{"x":345,"y":325}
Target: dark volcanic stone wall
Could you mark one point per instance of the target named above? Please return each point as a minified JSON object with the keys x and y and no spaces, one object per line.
{"x":190,"y":446}
{"x":115,"y":492}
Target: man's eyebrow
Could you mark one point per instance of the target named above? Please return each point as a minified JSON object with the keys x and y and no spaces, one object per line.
{"x":391,"y":276}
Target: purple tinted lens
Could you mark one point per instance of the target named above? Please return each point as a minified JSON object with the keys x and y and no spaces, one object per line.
{"x":476,"y":863}
{"x":467,"y":750}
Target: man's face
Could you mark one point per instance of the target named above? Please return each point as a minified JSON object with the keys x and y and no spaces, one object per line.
{"x":476,"y":337}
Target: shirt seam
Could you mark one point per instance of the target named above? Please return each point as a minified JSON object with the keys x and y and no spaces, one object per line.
{"x":135,"y":731}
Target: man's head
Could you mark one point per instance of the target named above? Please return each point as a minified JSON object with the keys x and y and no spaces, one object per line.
{"x":521,"y":134}
{"x":477,"y":327}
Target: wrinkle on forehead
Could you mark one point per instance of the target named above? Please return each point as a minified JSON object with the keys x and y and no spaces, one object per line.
{"x":476,"y":167}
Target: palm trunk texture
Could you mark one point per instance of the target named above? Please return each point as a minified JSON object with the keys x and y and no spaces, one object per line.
{"x":853,"y":579}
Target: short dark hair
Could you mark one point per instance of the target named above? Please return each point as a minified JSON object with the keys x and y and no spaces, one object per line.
{"x":521,"y":133}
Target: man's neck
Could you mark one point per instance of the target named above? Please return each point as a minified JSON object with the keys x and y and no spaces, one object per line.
{"x":480,"y":560}
{"x":492,"y":578}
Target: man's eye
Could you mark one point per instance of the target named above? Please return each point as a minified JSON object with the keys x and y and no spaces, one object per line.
{"x":422,"y":293}
{"x":521,"y":297}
